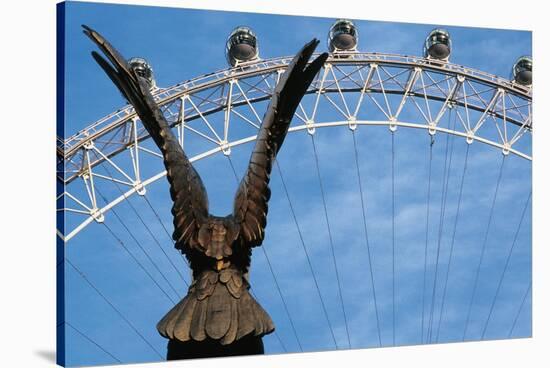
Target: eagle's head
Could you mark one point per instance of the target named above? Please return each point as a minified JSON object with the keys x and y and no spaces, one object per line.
{"x":217,"y":235}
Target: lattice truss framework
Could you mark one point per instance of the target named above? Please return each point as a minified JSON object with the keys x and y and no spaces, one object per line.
{"x":218,"y":111}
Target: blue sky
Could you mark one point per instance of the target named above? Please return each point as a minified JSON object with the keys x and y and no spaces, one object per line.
{"x":182,"y":44}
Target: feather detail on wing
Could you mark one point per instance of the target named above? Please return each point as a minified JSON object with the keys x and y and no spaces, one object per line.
{"x":190,"y":208}
{"x":250,"y":206}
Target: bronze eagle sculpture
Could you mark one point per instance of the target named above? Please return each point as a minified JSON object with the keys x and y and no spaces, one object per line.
{"x":218,"y":316}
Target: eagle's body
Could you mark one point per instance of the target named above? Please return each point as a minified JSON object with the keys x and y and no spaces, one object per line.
{"x":218,"y":316}
{"x":218,"y":305}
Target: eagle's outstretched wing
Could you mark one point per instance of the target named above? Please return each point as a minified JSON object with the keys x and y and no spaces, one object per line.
{"x":250,"y":206}
{"x":190,"y":208}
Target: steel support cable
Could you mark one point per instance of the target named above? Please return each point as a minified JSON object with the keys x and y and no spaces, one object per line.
{"x":330,"y":239}
{"x":273,"y":275}
{"x":443,"y":207}
{"x":310,"y":265}
{"x":158,"y":217}
{"x":483,"y":249}
{"x":140,"y":247}
{"x":275,"y":331}
{"x":233,"y":169}
{"x":282,"y":299}
{"x":165,"y":229}
{"x":506,"y":266}
{"x":280,"y":341}
{"x":367,"y":238}
{"x":113,"y":307}
{"x":427,"y":233}
{"x":393,"y":232}
{"x":520,"y":309}
{"x":93,"y":342}
{"x":452,"y":241}
{"x":147,"y":228}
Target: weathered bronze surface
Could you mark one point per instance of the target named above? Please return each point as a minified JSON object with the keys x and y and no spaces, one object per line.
{"x":218,"y":316}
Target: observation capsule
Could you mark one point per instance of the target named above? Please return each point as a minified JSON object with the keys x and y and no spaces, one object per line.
{"x":522,"y":71}
{"x":342,"y":36}
{"x":438,"y":44}
{"x":143,"y":69}
{"x":241,"y":46}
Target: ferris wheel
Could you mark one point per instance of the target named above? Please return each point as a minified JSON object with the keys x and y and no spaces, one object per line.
{"x":433,"y":125}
